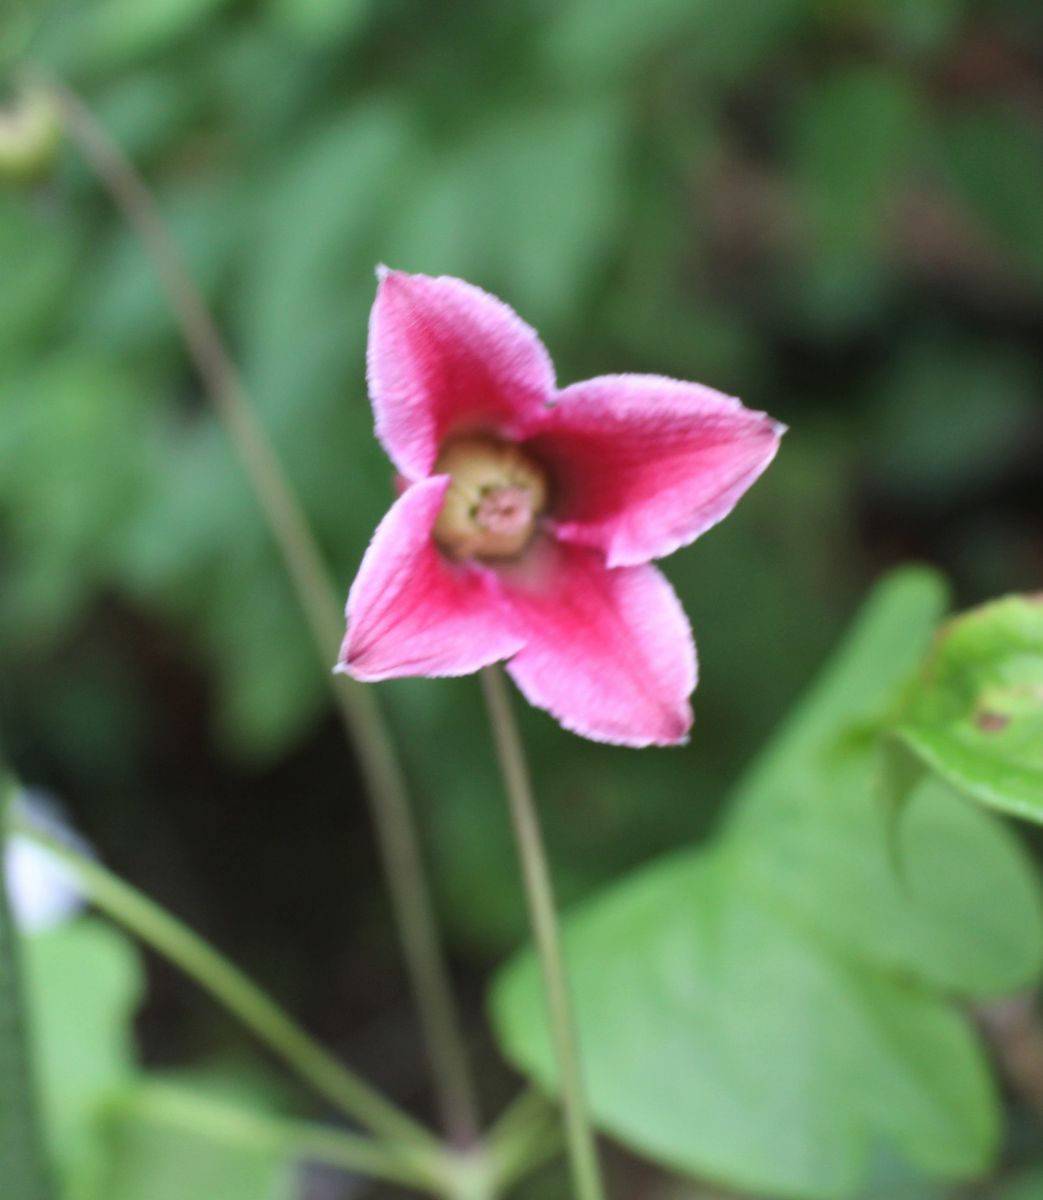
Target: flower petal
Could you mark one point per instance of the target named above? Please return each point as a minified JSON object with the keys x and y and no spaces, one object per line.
{"x":411,"y":611}
{"x":643,"y":464}
{"x":607,"y":652}
{"x":446,"y":357}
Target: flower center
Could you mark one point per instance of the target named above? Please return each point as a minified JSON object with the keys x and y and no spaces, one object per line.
{"x":496,"y":495}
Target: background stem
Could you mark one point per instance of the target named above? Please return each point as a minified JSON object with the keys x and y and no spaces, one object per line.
{"x":586,"y":1174}
{"x":396,"y":831}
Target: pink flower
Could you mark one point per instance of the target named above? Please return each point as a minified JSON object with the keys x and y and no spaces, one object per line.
{"x":529,"y":515}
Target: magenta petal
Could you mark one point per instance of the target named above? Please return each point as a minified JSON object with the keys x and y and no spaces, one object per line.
{"x":446,"y":357}
{"x":607,"y":652}
{"x":644,"y":464}
{"x":411,"y":611}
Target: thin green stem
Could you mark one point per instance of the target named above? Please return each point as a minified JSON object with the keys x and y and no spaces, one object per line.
{"x":228,"y":985}
{"x":586,"y":1173}
{"x":232,"y":1125}
{"x":396,"y":830}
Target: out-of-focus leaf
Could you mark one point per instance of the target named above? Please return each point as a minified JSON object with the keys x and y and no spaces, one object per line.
{"x":995,"y":163}
{"x":39,"y":257}
{"x":1026,"y":1186}
{"x":126,"y":30}
{"x":728,"y":997}
{"x":144,"y":112}
{"x":917,"y":24}
{"x":127,"y":307}
{"x":84,"y":983}
{"x":70,"y":439}
{"x":852,"y":138}
{"x":271,"y":677}
{"x":610,"y":36}
{"x":525,"y":204}
{"x":320,"y":19}
{"x":25,"y":1167}
{"x":165,"y":1142}
{"x":949,"y":416}
{"x":975,"y":716}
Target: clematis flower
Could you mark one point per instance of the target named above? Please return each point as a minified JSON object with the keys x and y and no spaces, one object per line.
{"x":529,"y":515}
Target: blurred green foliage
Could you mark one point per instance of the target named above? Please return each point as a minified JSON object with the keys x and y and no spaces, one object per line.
{"x":829,"y":209}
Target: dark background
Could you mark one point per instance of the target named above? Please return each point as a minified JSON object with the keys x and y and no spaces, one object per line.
{"x":831,"y":210}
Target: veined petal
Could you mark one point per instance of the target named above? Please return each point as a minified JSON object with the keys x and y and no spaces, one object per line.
{"x":445,"y":357}
{"x":643,"y":464}
{"x":608,"y":652}
{"x":411,"y":611}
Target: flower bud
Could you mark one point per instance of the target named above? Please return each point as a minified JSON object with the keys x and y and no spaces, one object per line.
{"x":30,"y":134}
{"x":491,"y":506}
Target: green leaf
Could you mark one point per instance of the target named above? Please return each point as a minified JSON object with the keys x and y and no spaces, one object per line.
{"x":1026,"y":1186}
{"x":25,"y":1169}
{"x":993,"y":162}
{"x":526,"y":203}
{"x":84,"y":982}
{"x":607,"y":37}
{"x":722,"y":1039}
{"x":320,"y":20}
{"x":125,"y":30}
{"x":975,"y":716}
{"x":728,"y":997}
{"x":166,"y":1142}
{"x":852,"y":139}
{"x":986,"y":401}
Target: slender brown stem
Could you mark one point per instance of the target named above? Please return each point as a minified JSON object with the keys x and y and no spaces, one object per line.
{"x":396,"y":831}
{"x":1015,"y":1032}
{"x":586,"y":1173}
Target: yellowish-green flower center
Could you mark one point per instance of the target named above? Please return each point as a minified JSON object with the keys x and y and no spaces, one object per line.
{"x":496,"y":495}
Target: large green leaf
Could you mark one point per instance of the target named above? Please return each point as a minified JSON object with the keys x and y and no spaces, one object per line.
{"x":84,"y":983}
{"x":774,"y":1010}
{"x":975,"y":717}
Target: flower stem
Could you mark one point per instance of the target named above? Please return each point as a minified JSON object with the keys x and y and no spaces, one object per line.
{"x":165,"y":934}
{"x":586,"y":1174}
{"x":360,"y":715}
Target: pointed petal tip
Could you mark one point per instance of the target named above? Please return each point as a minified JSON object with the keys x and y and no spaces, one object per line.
{"x":675,"y":737}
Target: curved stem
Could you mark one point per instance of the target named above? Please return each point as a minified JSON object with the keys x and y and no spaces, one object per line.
{"x":234,"y":990}
{"x":523,"y":1137}
{"x":396,"y":831}
{"x":586,"y":1173}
